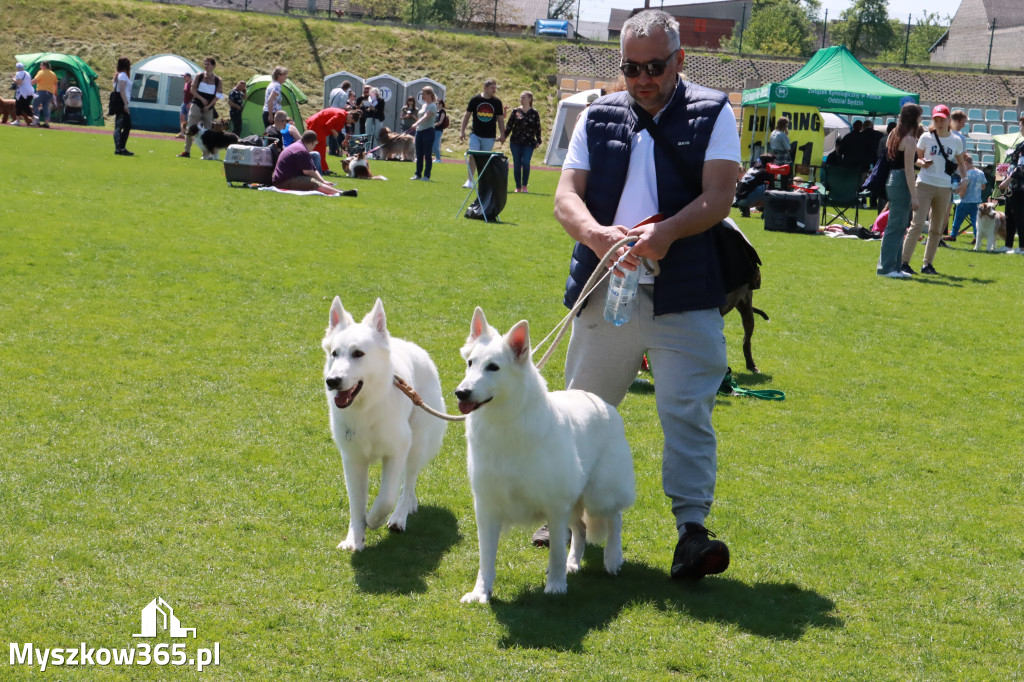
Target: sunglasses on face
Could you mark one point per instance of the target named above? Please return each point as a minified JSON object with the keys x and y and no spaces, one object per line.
{"x":654,"y":68}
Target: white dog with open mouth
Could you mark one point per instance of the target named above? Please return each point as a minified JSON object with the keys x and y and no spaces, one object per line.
{"x":371,"y":419}
{"x":536,"y":456}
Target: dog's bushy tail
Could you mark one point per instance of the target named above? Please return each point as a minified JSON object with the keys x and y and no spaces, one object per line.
{"x":597,"y":529}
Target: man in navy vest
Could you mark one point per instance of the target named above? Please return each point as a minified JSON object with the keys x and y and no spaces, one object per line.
{"x":615,"y":175}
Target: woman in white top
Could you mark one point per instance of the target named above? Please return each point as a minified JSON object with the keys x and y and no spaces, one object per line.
{"x":940,"y":154}
{"x":424,"y":126}
{"x":123,"y":119}
{"x":272,"y":102}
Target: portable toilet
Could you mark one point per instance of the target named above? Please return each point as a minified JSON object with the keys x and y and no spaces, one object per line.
{"x":392,"y":92}
{"x":158,"y":89}
{"x":414,"y":88}
{"x":336,"y":79}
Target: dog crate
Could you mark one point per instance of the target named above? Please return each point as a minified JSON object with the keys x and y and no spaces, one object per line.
{"x":249,"y":165}
{"x":791,"y":212}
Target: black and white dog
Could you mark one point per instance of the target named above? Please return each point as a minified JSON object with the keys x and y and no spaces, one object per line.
{"x":213,"y":141}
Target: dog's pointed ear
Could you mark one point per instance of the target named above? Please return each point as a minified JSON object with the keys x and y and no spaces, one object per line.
{"x":338,"y":317}
{"x":377,"y":320}
{"x":519,"y":341}
{"x":478,"y":327}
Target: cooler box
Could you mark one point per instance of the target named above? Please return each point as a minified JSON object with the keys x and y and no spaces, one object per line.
{"x":791,"y":212}
{"x":249,"y":165}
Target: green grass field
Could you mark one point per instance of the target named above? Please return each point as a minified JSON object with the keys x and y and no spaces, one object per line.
{"x":163,"y":432}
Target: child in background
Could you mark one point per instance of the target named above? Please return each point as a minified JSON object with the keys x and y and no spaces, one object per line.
{"x":968,"y":206}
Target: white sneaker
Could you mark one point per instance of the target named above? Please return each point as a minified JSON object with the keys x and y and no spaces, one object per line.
{"x":1001,"y":249}
{"x":415,"y":177}
{"x":468,"y":184}
{"x":896,"y":274}
{"x":1009,"y":251}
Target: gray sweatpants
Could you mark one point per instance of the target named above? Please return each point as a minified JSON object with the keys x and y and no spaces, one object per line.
{"x":687,"y":356}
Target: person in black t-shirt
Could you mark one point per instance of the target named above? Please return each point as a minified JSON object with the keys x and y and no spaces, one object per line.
{"x":488,"y":117}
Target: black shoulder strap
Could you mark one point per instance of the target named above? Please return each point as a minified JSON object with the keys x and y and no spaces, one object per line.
{"x":644,"y":121}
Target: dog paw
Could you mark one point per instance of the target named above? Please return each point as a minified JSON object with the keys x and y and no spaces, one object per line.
{"x":553,"y":587}
{"x":375,"y":519}
{"x":476,"y":597}
{"x":351,"y":545}
{"x":571,"y":566}
{"x":396,"y":526}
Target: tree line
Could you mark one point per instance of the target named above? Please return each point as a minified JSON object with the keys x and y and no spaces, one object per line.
{"x":794,"y":28}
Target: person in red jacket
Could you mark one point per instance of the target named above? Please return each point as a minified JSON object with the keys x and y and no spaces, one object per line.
{"x":329,"y":121}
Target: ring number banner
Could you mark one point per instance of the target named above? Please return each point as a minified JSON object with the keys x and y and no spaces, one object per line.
{"x":806,"y":133}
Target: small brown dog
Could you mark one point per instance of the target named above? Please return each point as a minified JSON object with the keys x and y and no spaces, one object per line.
{"x":991,"y":226}
{"x":396,"y":146}
{"x":7,"y":109}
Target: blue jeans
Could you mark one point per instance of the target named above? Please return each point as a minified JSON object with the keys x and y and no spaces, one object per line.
{"x":891,"y":257}
{"x":965,"y":209}
{"x":755,"y":198}
{"x":521,"y":155}
{"x":41,"y":105}
{"x":437,"y":145}
{"x":316,"y":162}
{"x":424,"y":145}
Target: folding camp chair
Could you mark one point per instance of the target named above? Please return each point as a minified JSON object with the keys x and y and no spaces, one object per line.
{"x":490,"y":186}
{"x":842,"y":192}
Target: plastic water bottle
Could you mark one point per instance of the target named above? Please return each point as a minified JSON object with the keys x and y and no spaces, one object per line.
{"x":618,"y":306}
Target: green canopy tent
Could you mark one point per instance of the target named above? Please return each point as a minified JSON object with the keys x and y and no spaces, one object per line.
{"x":833,"y":80}
{"x":1004,"y":144}
{"x":255,"y":94}
{"x":70,"y":68}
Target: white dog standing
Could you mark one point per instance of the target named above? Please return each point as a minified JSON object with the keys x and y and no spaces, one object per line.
{"x":373,"y":420}
{"x":536,"y":456}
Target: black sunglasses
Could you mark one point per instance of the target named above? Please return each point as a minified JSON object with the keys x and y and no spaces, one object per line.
{"x":653,"y":69}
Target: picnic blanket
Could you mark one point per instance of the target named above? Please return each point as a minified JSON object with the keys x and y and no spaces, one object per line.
{"x":300,"y":193}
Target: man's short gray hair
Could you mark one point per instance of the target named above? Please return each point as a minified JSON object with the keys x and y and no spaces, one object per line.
{"x":642,"y":23}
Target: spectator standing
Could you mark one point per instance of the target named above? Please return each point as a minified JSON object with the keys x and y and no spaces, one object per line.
{"x":968,"y":206}
{"x":1013,"y":188}
{"x":46,"y":93}
{"x":338,"y":98}
{"x":409,"y":114}
{"x":371,"y":113}
{"x":23,"y":94}
{"x":424,"y":126}
{"x":294,"y":169}
{"x":206,"y":89}
{"x":488,"y":116}
{"x":440,"y":126}
{"x":901,"y":188}
{"x":273,"y":99}
{"x":779,"y":144}
{"x":326,"y":124}
{"x":236,"y":103}
{"x":122,"y":117}
{"x":616,"y":174}
{"x":934,"y":181}
{"x":523,"y":131}
{"x":186,"y":103}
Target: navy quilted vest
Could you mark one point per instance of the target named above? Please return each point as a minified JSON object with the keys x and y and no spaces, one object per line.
{"x":690,"y":278}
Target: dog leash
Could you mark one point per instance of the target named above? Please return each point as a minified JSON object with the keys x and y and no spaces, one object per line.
{"x":382,"y":144}
{"x":593,"y":281}
{"x":730,"y":387}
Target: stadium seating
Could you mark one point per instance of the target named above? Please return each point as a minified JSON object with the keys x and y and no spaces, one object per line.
{"x":997,"y":129}
{"x":975,"y":115}
{"x":1009,"y":116}
{"x":992,"y":115}
{"x":979,"y":128}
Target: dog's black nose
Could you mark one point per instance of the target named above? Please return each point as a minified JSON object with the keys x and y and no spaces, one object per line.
{"x":463,"y":394}
{"x":334,"y":383}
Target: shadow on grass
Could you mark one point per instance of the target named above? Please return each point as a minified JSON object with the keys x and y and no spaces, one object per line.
{"x":951,"y":280}
{"x":400,"y":563}
{"x":782,"y":611}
